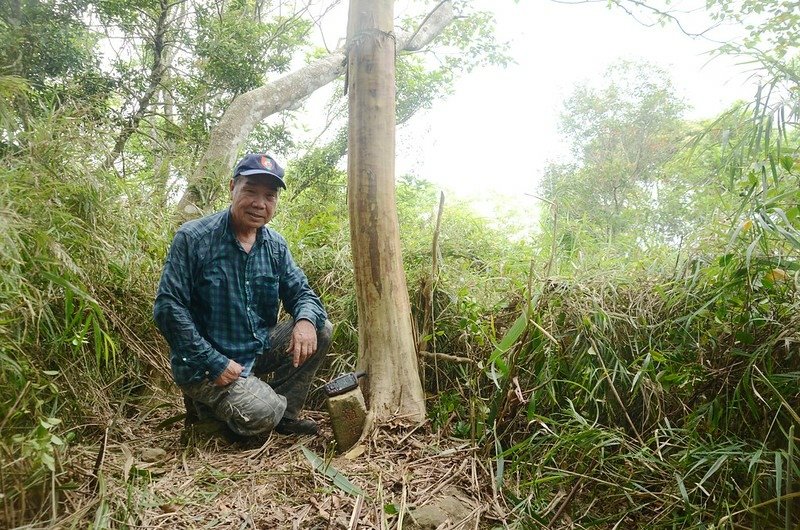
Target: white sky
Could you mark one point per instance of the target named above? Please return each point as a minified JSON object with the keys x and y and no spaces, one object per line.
{"x":500,"y":127}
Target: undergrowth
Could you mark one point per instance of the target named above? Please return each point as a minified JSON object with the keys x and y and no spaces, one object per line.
{"x":657,"y":403}
{"x":635,"y":390}
{"x":79,"y":258}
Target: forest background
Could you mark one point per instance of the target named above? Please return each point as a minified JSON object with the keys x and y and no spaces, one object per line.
{"x":640,"y":347}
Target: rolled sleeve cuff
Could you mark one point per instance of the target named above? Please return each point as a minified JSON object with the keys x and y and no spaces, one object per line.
{"x":215,"y":365}
{"x":311,"y":316}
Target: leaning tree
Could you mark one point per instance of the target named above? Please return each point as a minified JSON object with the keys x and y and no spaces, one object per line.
{"x":249,"y":109}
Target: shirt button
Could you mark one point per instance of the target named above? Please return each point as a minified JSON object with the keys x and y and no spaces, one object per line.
{"x":247,"y":282}
{"x":206,"y":372}
{"x":184,"y":359}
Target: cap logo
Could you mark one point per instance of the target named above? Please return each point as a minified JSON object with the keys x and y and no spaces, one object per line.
{"x":266,"y":162}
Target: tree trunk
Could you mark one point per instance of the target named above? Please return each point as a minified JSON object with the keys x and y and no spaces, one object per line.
{"x":249,"y":109}
{"x":386,"y":341}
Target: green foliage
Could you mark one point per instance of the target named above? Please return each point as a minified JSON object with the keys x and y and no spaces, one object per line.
{"x":672,"y":398}
{"x":772,"y":25}
{"x":236,"y":48}
{"x":79,"y":258}
{"x":653,"y":366}
{"x":470,"y":41}
{"x":418,"y":88}
{"x":45,"y":42}
{"x":48,"y":45}
{"x":670,"y":391}
{"x":622,"y":136}
{"x":655,"y":371}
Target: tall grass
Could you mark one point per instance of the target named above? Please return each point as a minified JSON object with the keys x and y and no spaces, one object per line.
{"x":661,"y":393}
{"x":79,"y":253}
{"x":657,"y":397}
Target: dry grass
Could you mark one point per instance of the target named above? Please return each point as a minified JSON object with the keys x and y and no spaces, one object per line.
{"x":269,"y":482}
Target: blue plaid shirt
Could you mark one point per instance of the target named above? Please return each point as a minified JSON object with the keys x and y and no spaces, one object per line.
{"x":217,"y":302}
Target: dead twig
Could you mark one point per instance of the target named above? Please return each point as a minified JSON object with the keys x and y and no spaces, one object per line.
{"x":569,"y":498}
{"x":447,"y":357}
{"x":98,"y":463}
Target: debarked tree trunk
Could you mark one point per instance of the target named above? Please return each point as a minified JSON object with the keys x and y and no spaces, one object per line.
{"x":386,"y":342}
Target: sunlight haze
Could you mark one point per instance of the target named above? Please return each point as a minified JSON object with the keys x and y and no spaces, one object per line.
{"x":490,"y":140}
{"x":503,"y":123}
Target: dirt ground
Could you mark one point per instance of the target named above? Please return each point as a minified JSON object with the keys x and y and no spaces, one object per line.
{"x":401,"y":477}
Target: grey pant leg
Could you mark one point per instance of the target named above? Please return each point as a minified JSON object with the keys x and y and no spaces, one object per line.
{"x":294,"y":383}
{"x":249,"y":406}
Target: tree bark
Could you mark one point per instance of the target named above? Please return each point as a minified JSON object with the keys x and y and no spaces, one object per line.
{"x":250,"y":108}
{"x":386,"y":342}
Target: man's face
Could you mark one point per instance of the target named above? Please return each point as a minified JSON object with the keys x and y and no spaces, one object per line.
{"x":253,"y":201}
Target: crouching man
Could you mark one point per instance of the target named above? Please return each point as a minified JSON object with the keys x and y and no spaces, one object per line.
{"x":217,"y":306}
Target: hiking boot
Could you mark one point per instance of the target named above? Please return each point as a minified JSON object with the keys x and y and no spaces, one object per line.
{"x":196,"y":412}
{"x":295,"y":426}
{"x":192,"y":416}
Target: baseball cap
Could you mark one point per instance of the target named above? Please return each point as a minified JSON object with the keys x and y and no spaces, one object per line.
{"x":259,"y":164}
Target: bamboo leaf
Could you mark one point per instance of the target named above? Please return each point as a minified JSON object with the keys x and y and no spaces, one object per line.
{"x":682,"y":488}
{"x":338,"y":479}
{"x":790,"y":460}
{"x":714,"y":468}
{"x":98,"y":342}
{"x":778,"y":476}
{"x":787,"y":162}
{"x":70,"y":287}
{"x":501,"y":463}
{"x":511,"y":336}
{"x":754,"y":458}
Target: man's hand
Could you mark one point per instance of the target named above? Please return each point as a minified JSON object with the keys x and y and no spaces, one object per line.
{"x":303,"y":343}
{"x":230,"y":374}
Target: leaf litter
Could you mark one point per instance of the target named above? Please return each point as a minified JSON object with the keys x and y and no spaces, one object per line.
{"x":281,"y":482}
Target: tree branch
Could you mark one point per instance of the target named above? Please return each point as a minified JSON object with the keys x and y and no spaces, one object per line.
{"x":247,"y":110}
{"x":647,"y":7}
{"x":447,"y":357}
{"x":156,"y":75}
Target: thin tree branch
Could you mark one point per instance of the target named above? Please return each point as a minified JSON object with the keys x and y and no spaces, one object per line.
{"x":156,"y":75}
{"x":658,"y":12}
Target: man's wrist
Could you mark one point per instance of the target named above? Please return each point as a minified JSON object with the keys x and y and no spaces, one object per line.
{"x":308,"y":319}
{"x":216,"y":367}
{"x":310,"y":316}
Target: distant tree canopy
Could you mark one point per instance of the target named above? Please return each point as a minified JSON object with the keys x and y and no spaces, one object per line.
{"x":642,"y":178}
{"x":622,"y":133}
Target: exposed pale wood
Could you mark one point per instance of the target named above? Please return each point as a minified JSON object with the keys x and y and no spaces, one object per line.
{"x":386,"y":341}
{"x":446,"y":357}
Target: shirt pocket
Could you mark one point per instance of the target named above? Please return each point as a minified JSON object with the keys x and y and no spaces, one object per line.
{"x":265,"y":295}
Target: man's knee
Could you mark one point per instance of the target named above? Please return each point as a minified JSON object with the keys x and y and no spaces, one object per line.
{"x":252,"y":407}
{"x":324,"y":336}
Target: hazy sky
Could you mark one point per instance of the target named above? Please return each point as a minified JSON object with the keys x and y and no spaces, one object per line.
{"x":500,"y":127}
